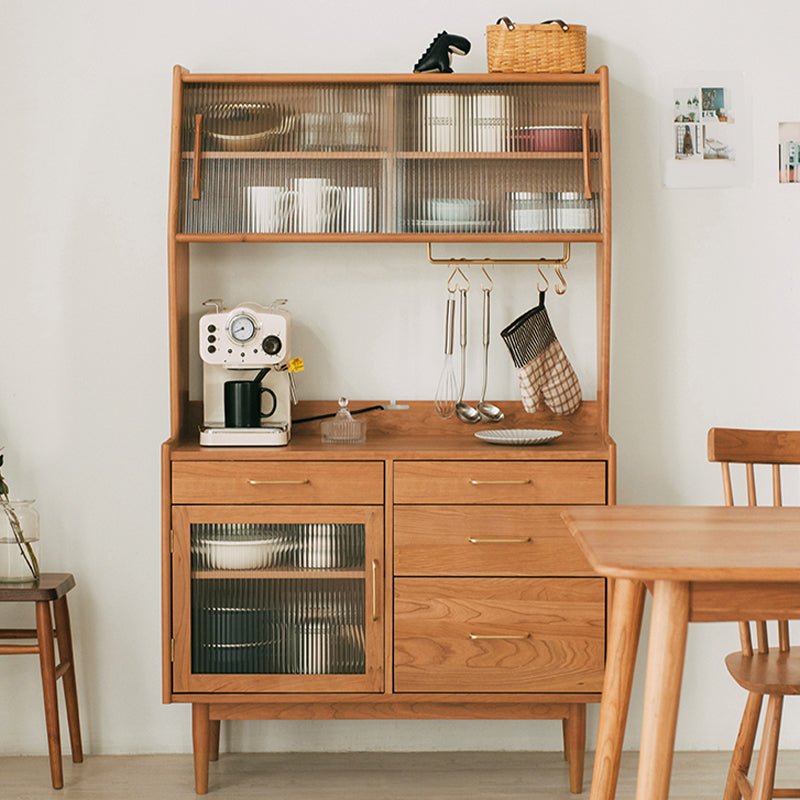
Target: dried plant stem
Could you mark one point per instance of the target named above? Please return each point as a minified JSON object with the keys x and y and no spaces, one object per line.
{"x":25,"y":547}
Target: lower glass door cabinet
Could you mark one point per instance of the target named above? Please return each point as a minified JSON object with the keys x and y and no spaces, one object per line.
{"x":277,"y":599}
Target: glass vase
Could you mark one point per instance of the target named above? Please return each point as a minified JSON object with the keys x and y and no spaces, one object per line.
{"x":19,"y":541}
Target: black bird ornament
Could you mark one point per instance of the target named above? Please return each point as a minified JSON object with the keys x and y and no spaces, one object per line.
{"x":439,"y":55}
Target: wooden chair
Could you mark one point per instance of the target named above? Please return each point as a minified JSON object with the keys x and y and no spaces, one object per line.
{"x":50,"y":588}
{"x":774,"y":672}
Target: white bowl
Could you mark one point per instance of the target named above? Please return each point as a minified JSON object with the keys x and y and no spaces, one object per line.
{"x":242,"y":553}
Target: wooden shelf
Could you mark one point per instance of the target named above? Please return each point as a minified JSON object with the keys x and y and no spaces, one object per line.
{"x":278,"y":574}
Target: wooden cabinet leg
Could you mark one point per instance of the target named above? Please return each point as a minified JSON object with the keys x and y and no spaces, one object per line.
{"x":743,"y":749}
{"x":200,"y":741}
{"x":47,"y":661}
{"x":576,"y":745}
{"x":623,"y":642}
{"x":669,"y":625}
{"x":213,"y":740}
{"x":67,"y":656}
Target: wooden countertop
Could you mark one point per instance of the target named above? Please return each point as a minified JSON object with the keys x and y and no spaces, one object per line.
{"x":414,"y":434}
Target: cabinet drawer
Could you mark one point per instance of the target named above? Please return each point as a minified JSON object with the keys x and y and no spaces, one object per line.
{"x":499,"y":634}
{"x":278,"y":482}
{"x":566,"y":482}
{"x":484,"y":540}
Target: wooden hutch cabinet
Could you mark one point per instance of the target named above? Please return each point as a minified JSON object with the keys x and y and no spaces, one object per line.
{"x":422,"y":574}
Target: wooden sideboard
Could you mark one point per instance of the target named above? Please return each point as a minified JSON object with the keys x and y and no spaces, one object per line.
{"x":456,"y":592}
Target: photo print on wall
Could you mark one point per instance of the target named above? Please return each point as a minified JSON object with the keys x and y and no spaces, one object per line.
{"x":702,"y":142}
{"x":789,"y":152}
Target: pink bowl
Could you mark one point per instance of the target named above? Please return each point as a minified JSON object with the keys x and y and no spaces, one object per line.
{"x":549,"y":139}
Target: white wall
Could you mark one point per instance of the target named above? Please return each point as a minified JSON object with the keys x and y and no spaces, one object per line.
{"x":705,"y":321}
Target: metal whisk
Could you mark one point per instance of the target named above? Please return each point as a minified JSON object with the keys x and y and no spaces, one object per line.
{"x":447,"y":389}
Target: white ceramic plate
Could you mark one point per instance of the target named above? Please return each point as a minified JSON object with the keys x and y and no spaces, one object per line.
{"x":518,"y":436}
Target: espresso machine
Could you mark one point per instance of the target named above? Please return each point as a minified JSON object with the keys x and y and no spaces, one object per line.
{"x":247,"y":343}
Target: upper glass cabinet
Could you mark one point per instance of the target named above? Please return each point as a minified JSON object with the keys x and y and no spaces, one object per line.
{"x":391,"y":156}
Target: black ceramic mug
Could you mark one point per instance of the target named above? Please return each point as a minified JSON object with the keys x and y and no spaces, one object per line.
{"x":243,"y":404}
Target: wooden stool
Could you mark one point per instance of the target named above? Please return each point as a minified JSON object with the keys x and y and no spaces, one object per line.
{"x":51,"y":587}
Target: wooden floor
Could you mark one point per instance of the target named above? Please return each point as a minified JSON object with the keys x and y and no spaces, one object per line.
{"x":353,"y":776}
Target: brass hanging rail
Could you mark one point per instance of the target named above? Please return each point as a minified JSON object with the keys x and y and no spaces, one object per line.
{"x":555,"y":262}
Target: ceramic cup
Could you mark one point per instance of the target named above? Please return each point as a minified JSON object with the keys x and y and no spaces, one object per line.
{"x":315,"y":203}
{"x":267,"y":209}
{"x":357,"y":213}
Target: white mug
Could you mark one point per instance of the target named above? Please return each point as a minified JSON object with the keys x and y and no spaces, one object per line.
{"x":315,"y":202}
{"x":267,"y":209}
{"x":358,"y":210}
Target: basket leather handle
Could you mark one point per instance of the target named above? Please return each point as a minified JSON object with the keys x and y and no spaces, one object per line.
{"x":560,"y":22}
{"x":510,"y":25}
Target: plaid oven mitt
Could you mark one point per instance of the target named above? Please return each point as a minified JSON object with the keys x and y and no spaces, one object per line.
{"x":543,"y":369}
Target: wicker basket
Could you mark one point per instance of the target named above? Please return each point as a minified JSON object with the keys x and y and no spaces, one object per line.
{"x":552,"y":46}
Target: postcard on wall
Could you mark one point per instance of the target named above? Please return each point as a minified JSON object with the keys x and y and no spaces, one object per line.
{"x":702,"y":132}
{"x":789,"y":152}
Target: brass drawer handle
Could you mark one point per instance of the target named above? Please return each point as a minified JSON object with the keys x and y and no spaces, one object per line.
{"x":279,"y":483}
{"x":473,"y":540}
{"x":499,"y":636}
{"x":375,"y":590}
{"x":500,"y":483}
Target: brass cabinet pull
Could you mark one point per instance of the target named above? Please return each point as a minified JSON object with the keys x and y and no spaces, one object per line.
{"x":499,"y":636}
{"x":375,"y":590}
{"x":198,"y":136}
{"x":587,"y":168}
{"x":473,"y":540}
{"x":279,"y":483}
{"x":500,"y":483}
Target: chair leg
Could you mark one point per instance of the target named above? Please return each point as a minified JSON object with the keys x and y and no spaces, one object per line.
{"x":47,"y":661}
{"x":576,"y":745}
{"x":743,"y":749}
{"x":764,"y":781}
{"x":67,"y":656}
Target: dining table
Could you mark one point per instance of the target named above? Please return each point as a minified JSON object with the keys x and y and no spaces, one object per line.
{"x":701,"y":564}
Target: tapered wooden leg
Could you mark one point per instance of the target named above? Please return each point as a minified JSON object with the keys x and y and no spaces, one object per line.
{"x":743,"y":749}
{"x":213,"y":740}
{"x":666,"y":650}
{"x":47,"y":661}
{"x":623,"y":641}
{"x":564,"y":728}
{"x":576,"y":745}
{"x":200,"y":741}
{"x":764,"y":780}
{"x":67,"y":656}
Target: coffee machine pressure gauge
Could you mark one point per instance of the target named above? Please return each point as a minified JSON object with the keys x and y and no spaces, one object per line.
{"x":242,"y":328}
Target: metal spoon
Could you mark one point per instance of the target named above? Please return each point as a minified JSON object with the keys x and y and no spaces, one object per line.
{"x":464,"y":412}
{"x":488,"y":411}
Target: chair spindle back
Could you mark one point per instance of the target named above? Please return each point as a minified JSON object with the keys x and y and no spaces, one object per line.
{"x":748,"y":448}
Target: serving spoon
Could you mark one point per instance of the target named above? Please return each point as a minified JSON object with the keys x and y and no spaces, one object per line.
{"x":488,"y":412}
{"x":466,"y":413}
